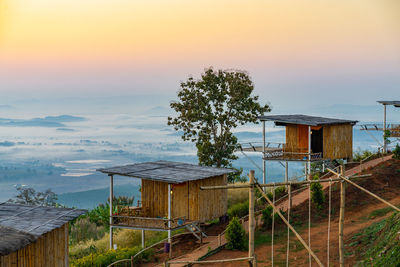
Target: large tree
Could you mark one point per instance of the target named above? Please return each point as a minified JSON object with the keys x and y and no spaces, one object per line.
{"x":209,"y":109}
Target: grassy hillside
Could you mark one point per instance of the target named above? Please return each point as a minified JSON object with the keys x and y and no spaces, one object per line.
{"x":379,"y":244}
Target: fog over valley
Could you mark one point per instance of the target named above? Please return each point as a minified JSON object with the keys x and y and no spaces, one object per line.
{"x":59,"y":144}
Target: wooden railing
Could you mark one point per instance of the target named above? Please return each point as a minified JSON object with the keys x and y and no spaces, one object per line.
{"x":148,"y":222}
{"x":291,"y":155}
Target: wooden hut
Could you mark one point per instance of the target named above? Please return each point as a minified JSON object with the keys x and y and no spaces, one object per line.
{"x":170,"y":196}
{"x":34,"y":235}
{"x":310,"y":138}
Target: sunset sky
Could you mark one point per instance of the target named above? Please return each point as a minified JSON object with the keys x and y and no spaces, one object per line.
{"x":302,"y":51}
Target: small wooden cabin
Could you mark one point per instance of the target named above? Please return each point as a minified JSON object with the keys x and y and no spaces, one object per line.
{"x":34,"y":235}
{"x":314,"y":138}
{"x":170,"y":192}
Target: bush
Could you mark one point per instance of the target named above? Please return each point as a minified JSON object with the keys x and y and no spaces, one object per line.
{"x":361,"y":155}
{"x":83,"y":229}
{"x":396,"y":152}
{"x":235,"y":235}
{"x":317,"y":194}
{"x":106,"y":258}
{"x":266,"y":217}
{"x":239,"y":209}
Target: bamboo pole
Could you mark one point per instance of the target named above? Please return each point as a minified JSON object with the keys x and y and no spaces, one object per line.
{"x":143,"y":239}
{"x":384,"y":129}
{"x":210,"y":261}
{"x":169,"y":221}
{"x":290,"y":226}
{"x":282,"y":183}
{"x":263,"y":159}
{"x":111,"y":209}
{"x":365,"y":190}
{"x":251,"y":216}
{"x":341,"y":219}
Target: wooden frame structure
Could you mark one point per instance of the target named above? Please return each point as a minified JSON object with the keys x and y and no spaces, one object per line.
{"x":34,"y":235}
{"x":254,"y":184}
{"x":170,"y":197}
{"x":308,"y":139}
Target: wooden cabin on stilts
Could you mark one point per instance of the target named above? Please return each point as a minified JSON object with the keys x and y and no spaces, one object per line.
{"x":171,"y":198}
{"x":308,"y":139}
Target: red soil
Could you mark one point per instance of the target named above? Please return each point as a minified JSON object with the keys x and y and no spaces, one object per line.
{"x":385,"y":182}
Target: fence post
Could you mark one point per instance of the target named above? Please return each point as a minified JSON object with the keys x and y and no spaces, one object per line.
{"x":341,"y":218}
{"x":131,"y":261}
{"x":251,"y":216}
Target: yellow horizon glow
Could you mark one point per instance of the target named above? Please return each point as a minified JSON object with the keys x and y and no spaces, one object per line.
{"x":90,"y":32}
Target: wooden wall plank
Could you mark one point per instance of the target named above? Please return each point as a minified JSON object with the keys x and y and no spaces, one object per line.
{"x":338,"y":141}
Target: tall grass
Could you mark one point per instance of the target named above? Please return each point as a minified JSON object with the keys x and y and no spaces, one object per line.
{"x":237,"y":195}
{"x":124,"y":238}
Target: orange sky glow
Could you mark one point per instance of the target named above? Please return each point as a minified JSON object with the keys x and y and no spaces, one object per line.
{"x":282,"y":37}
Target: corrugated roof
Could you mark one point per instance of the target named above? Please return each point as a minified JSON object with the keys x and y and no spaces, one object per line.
{"x":166,"y":171}
{"x":30,"y":222}
{"x":304,"y":120}
{"x":392,"y":103}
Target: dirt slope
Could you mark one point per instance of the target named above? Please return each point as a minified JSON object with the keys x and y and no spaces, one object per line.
{"x":385,"y":182}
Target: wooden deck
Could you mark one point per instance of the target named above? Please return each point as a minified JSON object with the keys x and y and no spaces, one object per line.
{"x":281,"y":152}
{"x":137,"y":218}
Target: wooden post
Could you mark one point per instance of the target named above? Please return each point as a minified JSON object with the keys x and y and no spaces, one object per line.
{"x":286,"y":173}
{"x":341,"y":218}
{"x":169,"y":221}
{"x":111,"y":209}
{"x":384,"y":128}
{"x":309,"y":153}
{"x":251,"y":215}
{"x":143,"y":240}
{"x":131,"y":261}
{"x":264,"y":164}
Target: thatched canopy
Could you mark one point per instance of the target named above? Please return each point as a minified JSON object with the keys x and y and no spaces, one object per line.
{"x":21,"y":225}
{"x":304,"y":120}
{"x":167,"y":171}
{"x":12,"y":240}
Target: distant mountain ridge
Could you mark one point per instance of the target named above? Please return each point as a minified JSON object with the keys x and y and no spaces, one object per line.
{"x":48,"y":121}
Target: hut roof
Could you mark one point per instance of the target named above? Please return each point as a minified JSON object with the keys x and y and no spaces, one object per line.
{"x":304,"y":120}
{"x":166,"y":171}
{"x":392,"y":103}
{"x":23,"y":224}
{"x":12,"y":240}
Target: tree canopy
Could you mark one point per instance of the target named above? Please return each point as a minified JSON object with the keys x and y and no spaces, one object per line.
{"x":210,"y":107}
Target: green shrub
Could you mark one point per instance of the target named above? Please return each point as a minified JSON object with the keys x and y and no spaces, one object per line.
{"x":235,"y":235}
{"x":83,"y":229}
{"x":396,"y":152}
{"x":266,"y":217}
{"x":239,"y":209}
{"x":317,"y":194}
{"x":110,"y":256}
{"x":361,"y":155}
{"x":280,"y":191}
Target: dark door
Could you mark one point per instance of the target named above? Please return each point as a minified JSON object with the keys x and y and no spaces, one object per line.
{"x":317,"y":141}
